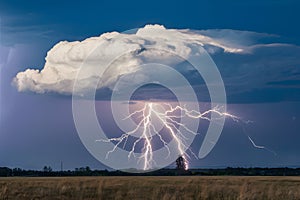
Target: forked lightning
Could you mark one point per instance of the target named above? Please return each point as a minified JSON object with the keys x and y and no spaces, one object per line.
{"x":166,"y":114}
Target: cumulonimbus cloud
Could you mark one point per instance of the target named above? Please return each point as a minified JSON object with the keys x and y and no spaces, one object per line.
{"x":65,"y":59}
{"x":240,"y":58}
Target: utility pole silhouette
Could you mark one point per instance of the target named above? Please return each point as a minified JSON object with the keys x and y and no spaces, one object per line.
{"x":61,"y":166}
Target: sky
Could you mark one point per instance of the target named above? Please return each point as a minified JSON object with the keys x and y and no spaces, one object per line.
{"x":262,"y":80}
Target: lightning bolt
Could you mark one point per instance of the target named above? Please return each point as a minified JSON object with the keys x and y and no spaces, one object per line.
{"x":167,"y":115}
{"x":260,"y":147}
{"x":256,"y":146}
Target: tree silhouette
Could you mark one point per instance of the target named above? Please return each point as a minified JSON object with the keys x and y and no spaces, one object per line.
{"x":47,"y":169}
{"x":180,"y":163}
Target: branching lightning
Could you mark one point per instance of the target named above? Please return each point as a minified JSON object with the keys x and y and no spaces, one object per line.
{"x":169,"y":119}
{"x":167,"y":115}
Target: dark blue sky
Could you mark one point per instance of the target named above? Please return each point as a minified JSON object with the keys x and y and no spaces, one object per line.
{"x":74,"y":20}
{"x":38,"y":130}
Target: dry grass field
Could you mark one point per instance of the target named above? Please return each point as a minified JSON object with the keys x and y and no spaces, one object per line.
{"x":184,"y":187}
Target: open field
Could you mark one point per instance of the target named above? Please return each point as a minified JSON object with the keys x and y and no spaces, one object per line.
{"x":183,"y":187}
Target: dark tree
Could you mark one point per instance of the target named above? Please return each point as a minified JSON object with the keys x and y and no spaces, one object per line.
{"x":87,"y":169}
{"x":47,"y":169}
{"x":180,"y":163}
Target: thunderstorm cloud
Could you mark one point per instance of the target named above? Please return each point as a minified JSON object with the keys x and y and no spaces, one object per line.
{"x":65,"y":59}
{"x":245,"y":64}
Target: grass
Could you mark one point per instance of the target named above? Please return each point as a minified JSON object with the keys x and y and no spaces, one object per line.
{"x":183,"y":187}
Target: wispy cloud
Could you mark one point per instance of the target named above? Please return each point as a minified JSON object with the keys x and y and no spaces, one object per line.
{"x":19,"y":29}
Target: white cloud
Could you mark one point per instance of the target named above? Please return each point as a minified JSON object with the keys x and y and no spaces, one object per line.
{"x":65,"y":59}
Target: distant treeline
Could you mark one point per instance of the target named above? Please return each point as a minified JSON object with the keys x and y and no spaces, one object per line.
{"x":86,"y":171}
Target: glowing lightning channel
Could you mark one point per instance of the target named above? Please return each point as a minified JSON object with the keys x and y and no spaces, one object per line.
{"x":260,"y":147}
{"x":168,"y":119}
{"x":256,"y":146}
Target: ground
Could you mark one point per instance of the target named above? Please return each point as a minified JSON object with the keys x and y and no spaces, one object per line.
{"x":163,"y":187}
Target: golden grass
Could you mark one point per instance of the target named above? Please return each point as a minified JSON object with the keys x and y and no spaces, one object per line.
{"x":184,"y":187}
